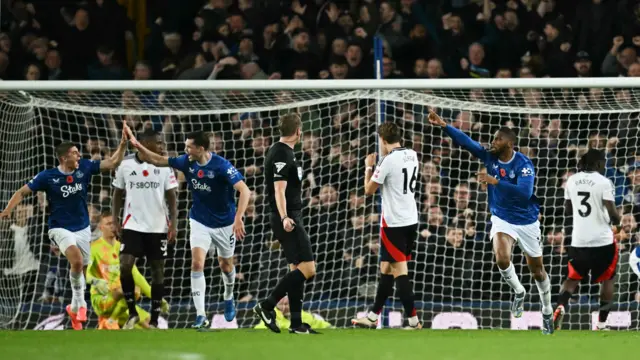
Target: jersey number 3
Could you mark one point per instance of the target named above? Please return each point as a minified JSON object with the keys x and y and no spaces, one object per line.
{"x":585,"y":197}
{"x":409,"y":184}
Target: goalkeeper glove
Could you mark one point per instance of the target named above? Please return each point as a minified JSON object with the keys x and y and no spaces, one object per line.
{"x":101,"y":286}
{"x":164,"y":307}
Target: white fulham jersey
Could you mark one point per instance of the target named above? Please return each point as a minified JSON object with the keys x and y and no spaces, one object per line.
{"x":145,"y":207}
{"x":397,"y":174}
{"x":591,"y":224}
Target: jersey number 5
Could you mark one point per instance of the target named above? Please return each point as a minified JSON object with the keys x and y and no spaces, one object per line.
{"x":585,"y":197}
{"x":409,"y":184}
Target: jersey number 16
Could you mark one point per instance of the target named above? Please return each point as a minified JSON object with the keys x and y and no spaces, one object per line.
{"x":409,"y":184}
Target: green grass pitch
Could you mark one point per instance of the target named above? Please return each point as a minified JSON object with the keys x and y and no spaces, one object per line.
{"x":332,"y":344}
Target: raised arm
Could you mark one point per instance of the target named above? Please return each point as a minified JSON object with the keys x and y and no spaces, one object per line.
{"x":151,"y":157}
{"x":460,"y":138}
{"x":116,"y":158}
{"x":15,"y":200}
{"x":371,"y":186}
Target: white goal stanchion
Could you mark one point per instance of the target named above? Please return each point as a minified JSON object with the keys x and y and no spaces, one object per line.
{"x":456,"y":283}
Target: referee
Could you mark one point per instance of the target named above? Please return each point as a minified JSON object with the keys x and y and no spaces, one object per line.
{"x":283,"y":175}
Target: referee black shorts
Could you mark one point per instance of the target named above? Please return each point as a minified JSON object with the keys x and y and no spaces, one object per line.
{"x":153,"y":246}
{"x":295,"y":244}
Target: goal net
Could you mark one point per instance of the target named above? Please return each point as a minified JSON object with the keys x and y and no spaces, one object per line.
{"x":456,"y":282}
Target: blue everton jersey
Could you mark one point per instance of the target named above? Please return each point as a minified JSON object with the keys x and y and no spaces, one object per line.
{"x":67,"y":194}
{"x":211,"y":186}
{"x":512,"y":199}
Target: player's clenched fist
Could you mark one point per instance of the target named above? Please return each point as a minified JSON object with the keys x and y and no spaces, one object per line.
{"x":370,"y":160}
{"x":288,"y":224}
{"x":434,"y":119}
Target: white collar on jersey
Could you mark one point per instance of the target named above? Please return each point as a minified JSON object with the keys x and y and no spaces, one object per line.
{"x":508,"y":162}
{"x":205,"y":164}
{"x":65,"y":173}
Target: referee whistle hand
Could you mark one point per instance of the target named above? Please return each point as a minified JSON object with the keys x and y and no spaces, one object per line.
{"x":288,"y":224}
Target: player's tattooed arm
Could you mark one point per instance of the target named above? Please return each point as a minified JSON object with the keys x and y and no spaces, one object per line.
{"x":172,"y":202}
{"x":118,"y":197}
{"x":15,"y":200}
{"x":370,"y":187}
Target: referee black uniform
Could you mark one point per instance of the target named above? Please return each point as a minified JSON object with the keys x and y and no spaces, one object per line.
{"x":281,"y":165}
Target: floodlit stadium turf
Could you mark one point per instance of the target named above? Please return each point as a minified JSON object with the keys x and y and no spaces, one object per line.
{"x":332,"y":344}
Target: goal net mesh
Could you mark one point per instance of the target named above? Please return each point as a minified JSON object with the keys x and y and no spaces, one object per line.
{"x":456,"y":282}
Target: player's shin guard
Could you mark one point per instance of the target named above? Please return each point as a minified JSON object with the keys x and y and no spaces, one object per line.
{"x":509,"y":275}
{"x":78,"y":286}
{"x":544,"y":288}
{"x":198,"y":289}
{"x":128,"y":291}
{"x":405,"y":293}
{"x":563,"y":298}
{"x":292,"y":279}
{"x":157,"y":292}
{"x":229,"y":280}
{"x":296,"y":295}
{"x":385,"y":289}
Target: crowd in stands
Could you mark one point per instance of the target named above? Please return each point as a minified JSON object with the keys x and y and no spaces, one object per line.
{"x":317,"y":39}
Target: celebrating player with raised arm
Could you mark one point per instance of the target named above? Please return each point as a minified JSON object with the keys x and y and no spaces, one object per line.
{"x":593,"y":246}
{"x":514,"y":211}
{"x":213,"y":216}
{"x":66,"y":187}
{"x":283,"y":177}
{"x":396,"y":174}
{"x":147,"y":219}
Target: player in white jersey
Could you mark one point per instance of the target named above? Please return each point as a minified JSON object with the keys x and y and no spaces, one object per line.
{"x":396,"y":175}
{"x":148,"y":223}
{"x":590,"y":202}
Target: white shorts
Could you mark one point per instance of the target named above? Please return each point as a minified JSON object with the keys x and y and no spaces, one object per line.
{"x":221,"y":239}
{"x":527,"y":236}
{"x":65,"y":238}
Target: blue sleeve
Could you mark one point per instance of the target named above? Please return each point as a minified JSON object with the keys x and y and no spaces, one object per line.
{"x":179,"y":163}
{"x":230,"y":173}
{"x":524,"y":186}
{"x":467,"y":143}
{"x":90,"y":166}
{"x":39,"y":182}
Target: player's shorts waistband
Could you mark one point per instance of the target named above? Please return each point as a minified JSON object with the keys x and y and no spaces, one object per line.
{"x":495,"y":218}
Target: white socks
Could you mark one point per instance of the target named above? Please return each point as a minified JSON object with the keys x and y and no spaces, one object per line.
{"x":198,"y":289}
{"x":509,"y":275}
{"x":229,"y":280}
{"x":544,"y":288}
{"x":78,"y":285}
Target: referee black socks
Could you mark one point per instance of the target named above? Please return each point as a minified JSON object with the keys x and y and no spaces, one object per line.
{"x":293,"y":279}
{"x":128,"y":290}
{"x":295,"y":305}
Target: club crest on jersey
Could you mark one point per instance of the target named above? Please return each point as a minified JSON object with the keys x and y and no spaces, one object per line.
{"x":503,"y":172}
{"x":69,"y":179}
{"x":145,"y":173}
{"x":210,"y":174}
{"x":527,"y":171}
{"x":280,"y":166}
{"x":512,"y":174}
{"x":156,"y":171}
{"x":300,"y":173}
{"x":79,"y":174}
{"x":200,"y":174}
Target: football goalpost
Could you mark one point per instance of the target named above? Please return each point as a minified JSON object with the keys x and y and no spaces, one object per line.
{"x":456,"y":283}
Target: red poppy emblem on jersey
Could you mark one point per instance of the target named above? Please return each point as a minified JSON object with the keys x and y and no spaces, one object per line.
{"x":69,"y":179}
{"x":200,"y":174}
{"x":503,"y":172}
{"x":145,"y":173}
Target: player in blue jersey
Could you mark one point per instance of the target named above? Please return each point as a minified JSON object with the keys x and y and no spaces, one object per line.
{"x":66,"y":187}
{"x":213,"y":218}
{"x":514,"y":211}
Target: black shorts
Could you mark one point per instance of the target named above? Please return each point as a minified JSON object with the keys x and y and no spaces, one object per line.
{"x":153,"y":246}
{"x":397,"y":242}
{"x":295,"y":244}
{"x":600,"y":261}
